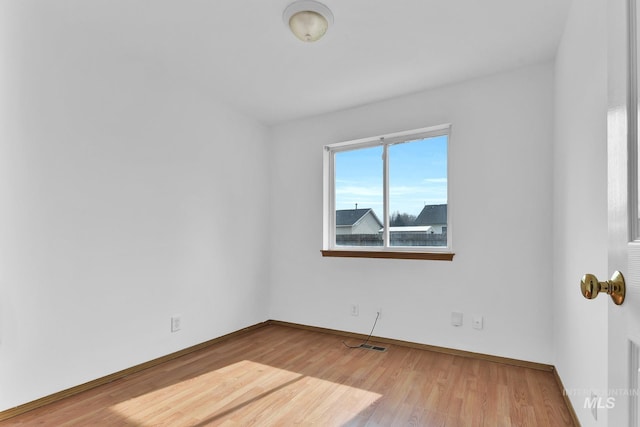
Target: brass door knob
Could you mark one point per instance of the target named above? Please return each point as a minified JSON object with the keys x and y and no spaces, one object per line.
{"x":591,"y":287}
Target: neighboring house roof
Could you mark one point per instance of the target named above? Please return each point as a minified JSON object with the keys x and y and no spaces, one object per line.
{"x":410,"y":229}
{"x":350,"y":217}
{"x":432,"y":214}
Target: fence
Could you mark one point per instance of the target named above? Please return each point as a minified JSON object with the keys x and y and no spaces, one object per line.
{"x":398,"y":238}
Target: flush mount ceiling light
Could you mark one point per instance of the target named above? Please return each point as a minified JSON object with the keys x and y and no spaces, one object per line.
{"x":308,"y":19}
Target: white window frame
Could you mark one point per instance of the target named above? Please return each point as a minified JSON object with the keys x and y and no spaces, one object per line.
{"x":329,"y":227}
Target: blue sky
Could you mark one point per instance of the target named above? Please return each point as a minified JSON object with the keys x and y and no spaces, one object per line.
{"x":417,"y":176}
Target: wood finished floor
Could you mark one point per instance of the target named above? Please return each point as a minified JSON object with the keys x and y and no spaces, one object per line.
{"x":282,"y":376}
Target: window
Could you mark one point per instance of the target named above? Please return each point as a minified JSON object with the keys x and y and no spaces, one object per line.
{"x":388,"y":196}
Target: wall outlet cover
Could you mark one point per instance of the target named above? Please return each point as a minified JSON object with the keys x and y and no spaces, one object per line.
{"x":176,"y":323}
{"x":354,"y":310}
{"x":456,"y":318}
{"x":478,"y":322}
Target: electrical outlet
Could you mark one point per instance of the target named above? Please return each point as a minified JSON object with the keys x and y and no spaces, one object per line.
{"x":478,"y":322}
{"x":176,"y":323}
{"x":355,"y":310}
{"x":456,"y":318}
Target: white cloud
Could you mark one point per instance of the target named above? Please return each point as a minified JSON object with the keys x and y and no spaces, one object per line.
{"x":414,"y":191}
{"x":359,"y":191}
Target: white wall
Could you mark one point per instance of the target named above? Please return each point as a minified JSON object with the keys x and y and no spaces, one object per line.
{"x":580,"y":204}
{"x":126,"y":196}
{"x":501,"y":178}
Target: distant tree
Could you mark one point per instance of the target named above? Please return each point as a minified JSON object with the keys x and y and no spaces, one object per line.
{"x":401,"y":219}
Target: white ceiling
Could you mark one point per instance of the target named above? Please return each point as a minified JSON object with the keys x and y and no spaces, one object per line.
{"x":241,"y":52}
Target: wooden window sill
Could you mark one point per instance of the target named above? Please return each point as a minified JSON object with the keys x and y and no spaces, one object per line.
{"x":436,"y":256}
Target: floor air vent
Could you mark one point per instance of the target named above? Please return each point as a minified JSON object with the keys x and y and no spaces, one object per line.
{"x":373,"y":347}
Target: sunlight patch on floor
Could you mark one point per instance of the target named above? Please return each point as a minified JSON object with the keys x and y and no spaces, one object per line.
{"x":247,"y":391}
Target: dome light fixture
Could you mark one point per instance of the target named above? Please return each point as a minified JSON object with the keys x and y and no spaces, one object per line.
{"x":307,"y":19}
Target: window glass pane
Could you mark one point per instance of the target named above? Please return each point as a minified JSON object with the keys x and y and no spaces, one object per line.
{"x":418,"y":192}
{"x":358,"y":197}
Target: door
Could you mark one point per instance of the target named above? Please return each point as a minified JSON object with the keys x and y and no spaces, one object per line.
{"x":624,"y":231}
